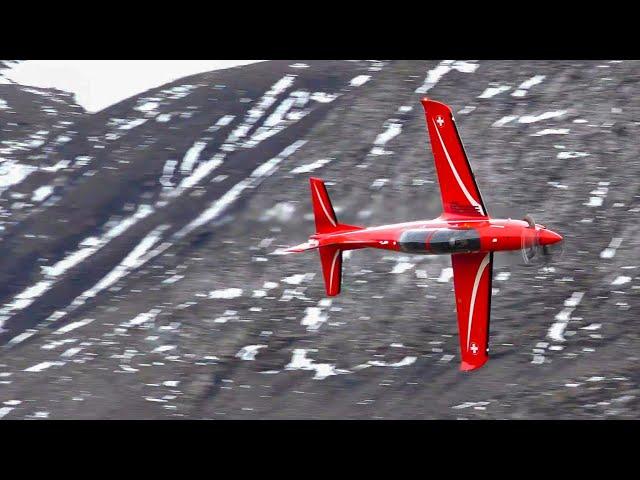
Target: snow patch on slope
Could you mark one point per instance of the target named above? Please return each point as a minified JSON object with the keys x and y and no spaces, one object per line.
{"x":98,"y":84}
{"x":299,"y":361}
{"x":435,"y":74}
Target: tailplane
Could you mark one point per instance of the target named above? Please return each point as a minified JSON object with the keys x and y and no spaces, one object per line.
{"x":326,"y":220}
{"x":331,"y":260}
{"x":326,"y":224}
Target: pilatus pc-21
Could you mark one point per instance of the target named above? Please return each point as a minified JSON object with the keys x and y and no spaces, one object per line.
{"x":464,"y":230}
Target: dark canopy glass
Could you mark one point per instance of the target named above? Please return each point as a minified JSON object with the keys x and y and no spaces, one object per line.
{"x":440,"y":241}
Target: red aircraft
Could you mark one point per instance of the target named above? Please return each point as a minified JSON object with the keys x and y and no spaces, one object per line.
{"x":464,"y":230}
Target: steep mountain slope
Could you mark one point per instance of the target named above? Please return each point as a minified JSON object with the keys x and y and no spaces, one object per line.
{"x":145,"y":286}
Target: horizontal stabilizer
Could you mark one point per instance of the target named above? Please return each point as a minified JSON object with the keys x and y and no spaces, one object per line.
{"x":325,"y":216}
{"x":331,"y":259}
{"x":328,"y":232}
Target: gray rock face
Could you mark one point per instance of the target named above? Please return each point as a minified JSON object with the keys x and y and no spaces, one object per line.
{"x":136,"y":271}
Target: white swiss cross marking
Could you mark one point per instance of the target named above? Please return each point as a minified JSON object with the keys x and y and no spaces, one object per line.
{"x":474,"y":348}
{"x":439,"y":120}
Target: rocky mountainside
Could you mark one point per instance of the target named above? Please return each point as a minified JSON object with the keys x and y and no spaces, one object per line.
{"x":137,"y":274}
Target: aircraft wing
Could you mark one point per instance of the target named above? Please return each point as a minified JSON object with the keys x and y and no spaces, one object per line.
{"x":472,"y":275}
{"x":460,"y":194}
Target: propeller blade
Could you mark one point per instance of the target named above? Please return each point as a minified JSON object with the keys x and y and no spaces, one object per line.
{"x":529,"y":219}
{"x":529,"y":241}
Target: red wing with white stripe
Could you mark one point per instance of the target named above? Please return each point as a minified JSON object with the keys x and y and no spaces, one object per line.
{"x":472,"y":275}
{"x":458,"y":188}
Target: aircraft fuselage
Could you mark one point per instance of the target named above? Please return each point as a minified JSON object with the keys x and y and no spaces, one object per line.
{"x":444,"y":236}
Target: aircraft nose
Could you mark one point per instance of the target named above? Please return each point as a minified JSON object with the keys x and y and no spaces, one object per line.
{"x":549,"y":237}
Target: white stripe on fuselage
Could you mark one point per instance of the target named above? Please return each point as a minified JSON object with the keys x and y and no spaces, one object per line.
{"x":455,"y":174}
{"x":483,"y":265}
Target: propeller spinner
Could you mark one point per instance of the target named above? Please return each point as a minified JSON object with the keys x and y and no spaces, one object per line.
{"x":540,"y":242}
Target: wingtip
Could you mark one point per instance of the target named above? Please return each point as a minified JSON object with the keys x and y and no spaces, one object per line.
{"x":428,"y":102}
{"x":468,"y":367}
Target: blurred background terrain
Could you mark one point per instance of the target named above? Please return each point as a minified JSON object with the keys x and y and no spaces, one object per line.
{"x":137,"y":275}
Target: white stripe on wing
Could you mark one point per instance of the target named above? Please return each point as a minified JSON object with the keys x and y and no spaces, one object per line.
{"x":455,"y":174}
{"x":483,"y":265}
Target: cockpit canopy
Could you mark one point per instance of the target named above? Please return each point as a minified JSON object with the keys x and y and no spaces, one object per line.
{"x":440,"y":240}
